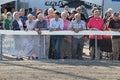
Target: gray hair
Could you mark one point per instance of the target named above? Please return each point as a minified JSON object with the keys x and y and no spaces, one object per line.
{"x":29,"y":15}
{"x":40,"y":15}
{"x":109,"y":9}
{"x":64,"y":12}
{"x":50,"y":9}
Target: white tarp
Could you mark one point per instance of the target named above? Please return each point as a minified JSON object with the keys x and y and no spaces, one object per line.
{"x":5,"y":1}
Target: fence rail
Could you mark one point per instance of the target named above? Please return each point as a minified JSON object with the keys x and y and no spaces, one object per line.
{"x":84,"y":32}
{"x":47,"y":32}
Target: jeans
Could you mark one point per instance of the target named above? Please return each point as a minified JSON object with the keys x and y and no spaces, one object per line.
{"x":56,"y":41}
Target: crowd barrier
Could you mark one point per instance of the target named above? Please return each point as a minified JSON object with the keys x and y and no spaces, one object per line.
{"x":46,"y":32}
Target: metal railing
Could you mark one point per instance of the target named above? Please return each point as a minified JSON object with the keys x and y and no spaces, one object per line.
{"x":46,"y":32}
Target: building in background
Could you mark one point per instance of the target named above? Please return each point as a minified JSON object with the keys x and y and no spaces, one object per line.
{"x":114,"y":4}
{"x":105,"y":4}
{"x":44,"y":4}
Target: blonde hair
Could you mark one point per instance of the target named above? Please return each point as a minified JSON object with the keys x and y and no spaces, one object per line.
{"x":22,"y":10}
{"x":16,"y":12}
{"x":8,"y":13}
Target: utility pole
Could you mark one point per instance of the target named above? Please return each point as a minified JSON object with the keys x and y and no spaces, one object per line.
{"x":17,"y":5}
{"x":0,"y":11}
{"x":102,"y":8}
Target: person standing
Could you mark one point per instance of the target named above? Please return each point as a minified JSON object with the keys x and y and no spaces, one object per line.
{"x":22,"y":15}
{"x":106,"y":42}
{"x":7,"y":22}
{"x":79,"y":10}
{"x":49,"y":16}
{"x":66,"y":9}
{"x":72,"y":14}
{"x":95,"y":23}
{"x":114,"y":25}
{"x":48,"y":38}
{"x":4,"y":14}
{"x":66,"y":41}
{"x":30,"y":22}
{"x":41,"y":24}
{"x":31,"y":47}
{"x":56,"y":24}
{"x":78,"y":41}
{"x":18,"y":24}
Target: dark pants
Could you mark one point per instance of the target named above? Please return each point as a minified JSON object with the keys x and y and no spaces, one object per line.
{"x":116,"y":48}
{"x":77,"y":48}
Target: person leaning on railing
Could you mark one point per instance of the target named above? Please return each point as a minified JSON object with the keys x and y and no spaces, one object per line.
{"x":66,"y":41}
{"x":114,"y":25}
{"x":95,"y":23}
{"x":56,"y":24}
{"x":48,"y":37}
{"x":107,"y":42}
{"x":77,"y":40}
{"x":18,"y":24}
{"x":41,"y":24}
{"x":30,"y":24}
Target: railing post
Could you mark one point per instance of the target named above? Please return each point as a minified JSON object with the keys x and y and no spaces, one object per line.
{"x":96,"y":52}
{"x":44,"y":45}
{"x":0,"y":46}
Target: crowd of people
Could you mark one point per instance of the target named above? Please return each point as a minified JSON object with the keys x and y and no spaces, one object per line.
{"x":66,"y":47}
